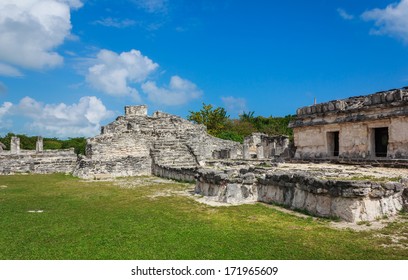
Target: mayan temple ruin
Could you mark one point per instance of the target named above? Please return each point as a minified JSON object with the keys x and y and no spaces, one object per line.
{"x":370,"y":129}
{"x":137,"y":144}
{"x":364,"y":127}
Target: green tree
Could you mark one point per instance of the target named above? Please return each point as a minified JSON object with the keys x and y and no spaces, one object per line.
{"x":247,"y":117}
{"x":78,"y":144}
{"x":215,"y":119}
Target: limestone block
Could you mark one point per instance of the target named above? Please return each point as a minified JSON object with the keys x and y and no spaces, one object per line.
{"x":299,"y":199}
{"x":131,"y":111}
{"x":347,"y":209}
{"x":323,"y":205}
{"x":311,"y":202}
{"x":233,"y":194}
{"x":370,"y":210}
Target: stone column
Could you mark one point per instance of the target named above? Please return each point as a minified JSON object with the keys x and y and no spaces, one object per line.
{"x":246,"y":151}
{"x":15,"y":145}
{"x":39,"y":146}
{"x":259,"y":151}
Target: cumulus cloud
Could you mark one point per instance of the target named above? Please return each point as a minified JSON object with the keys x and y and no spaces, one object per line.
{"x":5,"y":108}
{"x":114,"y":73}
{"x":152,"y":6}
{"x":31,"y":30}
{"x":344,"y":14}
{"x":234,"y":104}
{"x":73,"y":3}
{"x":61,"y":120}
{"x":392,"y":21}
{"x":178,"y":92}
{"x":9,"y":71}
{"x":114,"y":22}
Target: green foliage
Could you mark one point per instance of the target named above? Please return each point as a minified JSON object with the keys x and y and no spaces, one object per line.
{"x":215,"y":119}
{"x":220,"y":125}
{"x":52,"y":144}
{"x":269,"y":125}
{"x":7,"y":139}
{"x":79,"y":144}
{"x":230,"y":135}
{"x":29,"y":143}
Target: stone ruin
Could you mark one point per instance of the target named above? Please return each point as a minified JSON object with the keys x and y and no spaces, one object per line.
{"x":168,"y":146}
{"x":372,"y":127}
{"x":346,"y":192}
{"x":137,"y":144}
{"x":261,"y":146}
{"x":364,"y":129}
{"x":38,"y":161}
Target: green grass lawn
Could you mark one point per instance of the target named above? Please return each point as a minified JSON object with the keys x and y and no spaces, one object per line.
{"x":100,"y":220}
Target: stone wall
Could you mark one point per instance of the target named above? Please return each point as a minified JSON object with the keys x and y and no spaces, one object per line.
{"x":45,"y":162}
{"x":349,"y":128}
{"x":348,"y":200}
{"x":36,"y":161}
{"x":175,"y":173}
{"x":134,"y":143}
{"x":262,"y":146}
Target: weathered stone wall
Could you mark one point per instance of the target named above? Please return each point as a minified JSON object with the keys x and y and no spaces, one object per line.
{"x":45,"y":162}
{"x":175,"y":173}
{"x":355,"y":120}
{"x":348,"y":200}
{"x":36,"y":161}
{"x":263,"y":146}
{"x":134,"y":143}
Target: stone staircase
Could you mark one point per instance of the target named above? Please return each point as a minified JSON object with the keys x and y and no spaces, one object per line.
{"x":173,"y":153}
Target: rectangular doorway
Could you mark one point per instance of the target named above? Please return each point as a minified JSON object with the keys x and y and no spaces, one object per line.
{"x":381,"y":141}
{"x":333,"y":145}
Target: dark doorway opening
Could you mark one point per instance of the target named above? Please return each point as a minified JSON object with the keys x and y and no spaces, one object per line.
{"x":381,"y":141}
{"x":336,"y":144}
{"x":333,"y":143}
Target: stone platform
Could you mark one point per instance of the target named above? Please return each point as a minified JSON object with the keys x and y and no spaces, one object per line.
{"x":351,"y":193}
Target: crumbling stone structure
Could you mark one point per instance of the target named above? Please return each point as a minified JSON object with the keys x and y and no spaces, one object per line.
{"x":343,"y":196}
{"x":15,"y":145}
{"x":138,"y":144}
{"x":38,"y":161}
{"x":262,"y":146}
{"x":366,"y":127}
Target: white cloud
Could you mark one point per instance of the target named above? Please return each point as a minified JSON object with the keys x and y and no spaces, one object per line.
{"x":61,"y":120}
{"x":179,"y":92}
{"x":393,"y":20}
{"x":114,"y":22}
{"x":30,"y":30}
{"x":9,"y":71}
{"x":344,"y":14}
{"x":152,"y":6}
{"x":5,"y":108}
{"x":234,"y":104}
{"x":73,"y":3}
{"x":114,"y":73}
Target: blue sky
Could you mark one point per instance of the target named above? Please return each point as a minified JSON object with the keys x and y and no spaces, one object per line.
{"x":69,"y":66}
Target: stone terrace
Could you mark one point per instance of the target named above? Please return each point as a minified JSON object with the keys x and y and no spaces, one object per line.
{"x":347,"y":192}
